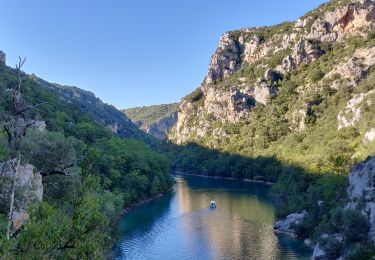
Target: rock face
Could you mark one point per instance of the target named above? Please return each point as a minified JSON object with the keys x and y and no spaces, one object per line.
{"x":28,"y":191}
{"x":344,"y":21}
{"x":369,"y":136}
{"x":226,"y":60}
{"x":161,"y":128}
{"x":356,"y":67}
{"x":156,"y":120}
{"x":286,"y":226}
{"x":319,"y":253}
{"x":229,"y":91}
{"x":2,"y":58}
{"x":352,"y":112}
{"x":361,"y":192}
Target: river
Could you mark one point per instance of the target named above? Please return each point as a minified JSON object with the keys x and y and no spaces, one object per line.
{"x":180,"y":225}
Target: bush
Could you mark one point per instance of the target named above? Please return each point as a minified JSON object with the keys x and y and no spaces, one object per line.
{"x":332,"y":247}
{"x":315,"y":75}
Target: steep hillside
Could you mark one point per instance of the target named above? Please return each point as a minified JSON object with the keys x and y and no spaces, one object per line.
{"x":70,"y":165}
{"x":301,"y":91}
{"x":102,"y":113}
{"x":156,"y":120}
{"x":293,"y":104}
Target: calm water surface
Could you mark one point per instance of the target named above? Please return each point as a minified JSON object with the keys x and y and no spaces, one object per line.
{"x":180,"y":225}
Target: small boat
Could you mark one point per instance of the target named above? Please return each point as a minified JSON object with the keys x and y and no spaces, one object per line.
{"x":213,"y":204}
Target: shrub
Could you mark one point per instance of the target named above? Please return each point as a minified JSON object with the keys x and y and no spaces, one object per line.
{"x":315,"y":75}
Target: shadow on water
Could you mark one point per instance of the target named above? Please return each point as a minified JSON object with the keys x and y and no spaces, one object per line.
{"x":141,"y":220}
{"x":181,"y":226}
{"x":292,"y":180}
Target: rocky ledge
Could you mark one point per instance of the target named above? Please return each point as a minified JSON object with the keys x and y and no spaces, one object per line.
{"x":286,"y":226}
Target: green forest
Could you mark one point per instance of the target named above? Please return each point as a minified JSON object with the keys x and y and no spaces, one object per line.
{"x":103,"y":175}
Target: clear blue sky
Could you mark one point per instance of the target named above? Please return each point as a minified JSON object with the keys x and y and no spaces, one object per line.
{"x":130,"y":53}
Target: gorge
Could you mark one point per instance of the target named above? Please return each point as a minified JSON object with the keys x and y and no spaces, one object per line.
{"x":291,"y":104}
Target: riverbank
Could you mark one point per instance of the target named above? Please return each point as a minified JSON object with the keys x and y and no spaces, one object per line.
{"x":178,"y":173}
{"x":143,"y":202}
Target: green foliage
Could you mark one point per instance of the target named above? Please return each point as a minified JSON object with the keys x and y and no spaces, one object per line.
{"x":315,"y":75}
{"x":130,"y":167}
{"x":89,"y":133}
{"x":354,"y":227}
{"x":90,"y":176}
{"x":352,"y":223}
{"x":151,"y":114}
{"x":50,"y":151}
{"x":195,"y":96}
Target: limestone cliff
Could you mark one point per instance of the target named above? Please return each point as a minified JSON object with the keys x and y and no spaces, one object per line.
{"x":156,"y":120}
{"x":245,"y":70}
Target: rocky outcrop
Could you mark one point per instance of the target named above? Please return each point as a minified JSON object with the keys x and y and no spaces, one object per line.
{"x":354,"y":68}
{"x":369,"y":136}
{"x":344,"y":21}
{"x":156,"y":120}
{"x":28,"y":191}
{"x":352,"y":112}
{"x":227,"y":105}
{"x":286,"y":226}
{"x":306,"y":51}
{"x":2,"y":58}
{"x":226,"y":60}
{"x":160,"y":129}
{"x":320,"y":252}
{"x":361,"y":192}
{"x":39,"y":125}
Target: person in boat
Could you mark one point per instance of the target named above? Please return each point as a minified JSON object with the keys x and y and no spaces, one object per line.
{"x":213,"y":204}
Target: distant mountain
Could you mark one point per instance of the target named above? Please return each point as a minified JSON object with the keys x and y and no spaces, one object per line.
{"x":156,"y":120}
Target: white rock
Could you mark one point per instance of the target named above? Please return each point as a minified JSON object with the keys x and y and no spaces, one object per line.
{"x":369,"y":136}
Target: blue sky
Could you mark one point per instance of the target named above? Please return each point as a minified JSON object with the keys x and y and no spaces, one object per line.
{"x":130,"y":53}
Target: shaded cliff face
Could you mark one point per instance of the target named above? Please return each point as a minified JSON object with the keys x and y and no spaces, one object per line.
{"x":361,"y":197}
{"x":155,"y":120}
{"x":322,"y":53}
{"x":362,"y":194}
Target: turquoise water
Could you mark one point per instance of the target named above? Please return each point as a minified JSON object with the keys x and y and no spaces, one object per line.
{"x":180,"y":225}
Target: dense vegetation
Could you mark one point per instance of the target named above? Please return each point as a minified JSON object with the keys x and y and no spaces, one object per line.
{"x":103,"y":175}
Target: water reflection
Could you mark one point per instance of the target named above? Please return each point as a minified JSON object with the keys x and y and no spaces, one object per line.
{"x":181,"y":226}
